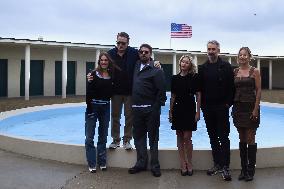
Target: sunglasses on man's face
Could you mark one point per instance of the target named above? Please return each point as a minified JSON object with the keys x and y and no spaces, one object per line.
{"x":120,"y":43}
{"x":143,"y":52}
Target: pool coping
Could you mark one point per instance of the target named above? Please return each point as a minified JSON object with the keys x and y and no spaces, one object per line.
{"x":75,"y":154}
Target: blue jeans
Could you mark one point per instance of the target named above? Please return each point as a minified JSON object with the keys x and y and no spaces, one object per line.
{"x":100,"y":112}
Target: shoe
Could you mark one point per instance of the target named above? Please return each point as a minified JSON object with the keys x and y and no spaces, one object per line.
{"x":190,"y":173}
{"x":214,"y":170}
{"x":249,"y":177}
{"x":92,"y":169}
{"x":134,"y":170}
{"x":243,"y":175}
{"x":114,"y":145}
{"x":156,"y":172}
{"x":183,"y":173}
{"x":103,"y":167}
{"x":226,"y":174}
{"x":127,"y":146}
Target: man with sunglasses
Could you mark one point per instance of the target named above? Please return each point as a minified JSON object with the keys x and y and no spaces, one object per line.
{"x":148,"y":95}
{"x":125,"y":58}
{"x":217,"y":91}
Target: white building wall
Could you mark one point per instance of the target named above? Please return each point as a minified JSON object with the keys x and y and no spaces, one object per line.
{"x":81,"y":77}
{"x":49,"y":54}
{"x":81,"y":57}
{"x":14,"y":72}
{"x":14,"y":54}
{"x":277,"y":77}
{"x":49,"y":78}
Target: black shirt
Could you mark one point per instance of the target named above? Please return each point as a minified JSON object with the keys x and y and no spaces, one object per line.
{"x":211,"y":84}
{"x":99,"y":88}
{"x":122,"y":84}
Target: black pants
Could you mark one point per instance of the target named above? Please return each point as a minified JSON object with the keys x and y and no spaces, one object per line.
{"x":146,"y":120}
{"x":218,"y":128}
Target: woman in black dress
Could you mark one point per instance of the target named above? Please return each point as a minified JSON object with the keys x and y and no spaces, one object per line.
{"x":185,"y":110}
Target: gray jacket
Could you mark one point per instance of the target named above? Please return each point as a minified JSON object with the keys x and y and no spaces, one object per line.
{"x":149,"y":87}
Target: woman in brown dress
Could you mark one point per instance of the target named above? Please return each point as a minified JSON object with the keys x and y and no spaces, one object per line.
{"x":246,"y":113}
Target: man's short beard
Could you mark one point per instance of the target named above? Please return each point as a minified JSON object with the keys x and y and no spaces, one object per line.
{"x":212,"y":58}
{"x":144,"y":60}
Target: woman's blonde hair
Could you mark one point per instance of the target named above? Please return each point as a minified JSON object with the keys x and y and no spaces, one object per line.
{"x":247,"y":50}
{"x":193,"y":66}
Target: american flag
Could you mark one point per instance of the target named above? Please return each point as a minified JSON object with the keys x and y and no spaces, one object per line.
{"x":181,"y":30}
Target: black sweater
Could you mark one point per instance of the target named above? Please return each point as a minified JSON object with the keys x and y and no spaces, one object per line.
{"x":99,"y":89}
{"x":217,"y":84}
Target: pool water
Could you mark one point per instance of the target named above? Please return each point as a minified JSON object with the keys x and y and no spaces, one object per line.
{"x":66,"y":125}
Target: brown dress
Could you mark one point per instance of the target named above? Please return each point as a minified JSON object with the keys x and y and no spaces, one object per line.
{"x":244,"y":101}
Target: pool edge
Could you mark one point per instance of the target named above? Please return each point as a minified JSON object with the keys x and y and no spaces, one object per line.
{"x":75,"y":154}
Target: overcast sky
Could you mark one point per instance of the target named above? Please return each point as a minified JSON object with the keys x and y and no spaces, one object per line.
{"x":258,"y":24}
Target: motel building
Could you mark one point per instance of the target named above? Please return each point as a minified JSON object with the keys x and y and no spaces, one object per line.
{"x":49,"y":68}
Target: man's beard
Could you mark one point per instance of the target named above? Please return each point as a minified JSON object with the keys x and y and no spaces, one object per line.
{"x":212,"y":58}
{"x":144,"y":60}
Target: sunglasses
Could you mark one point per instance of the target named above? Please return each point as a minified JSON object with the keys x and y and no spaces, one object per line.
{"x":143,"y":52}
{"x":120,"y":43}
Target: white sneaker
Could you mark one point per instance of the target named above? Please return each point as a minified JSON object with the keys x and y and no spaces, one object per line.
{"x":92,"y":169}
{"x":103,"y":167}
{"x":127,"y":146}
{"x":114,"y":145}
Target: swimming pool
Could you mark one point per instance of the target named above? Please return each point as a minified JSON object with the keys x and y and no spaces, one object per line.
{"x":66,"y":125}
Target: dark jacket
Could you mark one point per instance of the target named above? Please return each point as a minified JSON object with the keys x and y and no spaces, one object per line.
{"x":224,"y":93}
{"x":149,"y":86}
{"x":131,"y":58}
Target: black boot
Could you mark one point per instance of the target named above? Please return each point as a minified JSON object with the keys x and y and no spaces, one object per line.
{"x":251,"y":161}
{"x":244,"y":160}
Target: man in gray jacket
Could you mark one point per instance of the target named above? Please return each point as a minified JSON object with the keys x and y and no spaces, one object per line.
{"x":148,"y":95}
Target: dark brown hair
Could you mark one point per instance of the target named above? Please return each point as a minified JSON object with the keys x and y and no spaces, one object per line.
{"x":146,"y":46}
{"x":123,"y":34}
{"x":110,"y":63}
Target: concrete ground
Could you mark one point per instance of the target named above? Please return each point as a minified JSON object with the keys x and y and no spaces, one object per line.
{"x":22,"y":172}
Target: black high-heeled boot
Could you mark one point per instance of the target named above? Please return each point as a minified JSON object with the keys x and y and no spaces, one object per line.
{"x":252,"y":148}
{"x":244,"y":160}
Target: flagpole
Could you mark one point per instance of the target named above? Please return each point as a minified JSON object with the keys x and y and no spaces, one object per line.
{"x":171,"y":36}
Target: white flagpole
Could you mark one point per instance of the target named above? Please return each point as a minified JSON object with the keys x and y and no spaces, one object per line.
{"x":171,"y":36}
